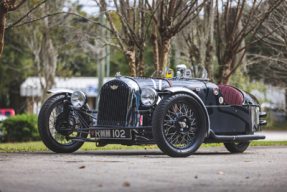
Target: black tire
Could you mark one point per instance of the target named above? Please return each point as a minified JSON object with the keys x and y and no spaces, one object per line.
{"x":45,"y":128}
{"x":236,"y":147}
{"x":194,"y":130}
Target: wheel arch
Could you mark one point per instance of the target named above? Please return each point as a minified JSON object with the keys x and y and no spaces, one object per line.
{"x":60,"y":91}
{"x":176,"y":90}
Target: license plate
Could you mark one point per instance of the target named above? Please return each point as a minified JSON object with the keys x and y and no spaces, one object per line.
{"x":112,"y":134}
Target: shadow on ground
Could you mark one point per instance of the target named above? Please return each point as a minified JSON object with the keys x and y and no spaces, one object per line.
{"x":130,"y":153}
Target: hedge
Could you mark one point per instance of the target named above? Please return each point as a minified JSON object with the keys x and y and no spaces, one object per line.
{"x":21,"y":128}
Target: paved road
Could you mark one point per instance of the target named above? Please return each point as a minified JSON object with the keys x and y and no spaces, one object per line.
{"x":274,"y":135}
{"x":210,"y":169}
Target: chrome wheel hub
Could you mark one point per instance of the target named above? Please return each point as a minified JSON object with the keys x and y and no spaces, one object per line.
{"x":183,"y":125}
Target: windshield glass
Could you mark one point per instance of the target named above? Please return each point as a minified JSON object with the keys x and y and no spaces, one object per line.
{"x":197,"y":71}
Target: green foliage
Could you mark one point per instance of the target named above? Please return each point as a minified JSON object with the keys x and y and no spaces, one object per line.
{"x":118,"y":63}
{"x":21,"y":128}
{"x":15,"y":66}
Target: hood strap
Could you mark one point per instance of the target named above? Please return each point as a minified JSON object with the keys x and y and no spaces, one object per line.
{"x":170,"y":84}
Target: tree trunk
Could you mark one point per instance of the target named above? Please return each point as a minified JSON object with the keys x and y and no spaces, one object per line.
{"x":3,"y":15}
{"x":164,"y":49}
{"x":132,"y":62}
{"x":208,"y":60}
{"x":153,"y":40}
{"x":209,"y":31}
{"x":141,"y":37}
{"x":286,"y":104}
{"x":141,"y":63}
{"x":38,"y":62}
{"x":224,"y":69}
{"x":50,"y":65}
{"x":49,"y":60}
{"x":225,"y":80}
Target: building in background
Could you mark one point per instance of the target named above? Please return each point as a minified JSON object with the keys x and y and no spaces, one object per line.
{"x":31,"y":89}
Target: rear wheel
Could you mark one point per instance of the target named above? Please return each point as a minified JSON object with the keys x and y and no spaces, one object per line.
{"x":179,"y":125}
{"x":236,"y":147}
{"x":50,"y":121}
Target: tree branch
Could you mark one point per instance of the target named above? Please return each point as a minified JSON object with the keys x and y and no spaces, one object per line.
{"x":274,"y":5}
{"x":19,"y":20}
{"x":57,"y":13}
{"x":114,"y":31}
{"x":14,"y":7}
{"x":152,"y":17}
{"x":187,"y":22}
{"x":265,"y":36}
{"x":218,"y":34}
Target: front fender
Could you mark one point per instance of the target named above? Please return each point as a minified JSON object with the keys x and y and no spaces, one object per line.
{"x":191,"y":93}
{"x":60,"y":91}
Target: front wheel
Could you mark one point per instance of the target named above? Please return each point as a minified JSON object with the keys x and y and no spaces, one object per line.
{"x":179,"y":125}
{"x":50,"y":119}
{"x":236,"y":147}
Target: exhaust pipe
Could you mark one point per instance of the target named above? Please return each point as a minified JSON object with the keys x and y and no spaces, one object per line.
{"x":262,"y":115}
{"x":235,"y":137}
{"x":262,"y":123}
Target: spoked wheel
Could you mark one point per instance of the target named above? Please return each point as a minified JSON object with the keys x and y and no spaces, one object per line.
{"x":50,"y":123}
{"x":179,"y":125}
{"x":236,"y":147}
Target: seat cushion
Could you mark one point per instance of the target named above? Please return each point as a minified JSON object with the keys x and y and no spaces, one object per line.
{"x":231,"y":95}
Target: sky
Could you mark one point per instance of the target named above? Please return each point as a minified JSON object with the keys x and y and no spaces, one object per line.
{"x":90,"y":6}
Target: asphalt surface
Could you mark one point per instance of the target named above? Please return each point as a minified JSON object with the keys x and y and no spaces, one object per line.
{"x":210,"y":169}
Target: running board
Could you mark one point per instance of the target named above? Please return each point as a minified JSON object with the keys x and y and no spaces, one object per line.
{"x":234,"y":137}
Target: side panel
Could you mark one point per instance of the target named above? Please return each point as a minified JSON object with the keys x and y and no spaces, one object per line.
{"x":210,"y":98}
{"x":196,"y":86}
{"x":230,"y":119}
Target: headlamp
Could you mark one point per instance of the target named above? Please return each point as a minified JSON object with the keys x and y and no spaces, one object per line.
{"x":78,"y":99}
{"x":148,"y":96}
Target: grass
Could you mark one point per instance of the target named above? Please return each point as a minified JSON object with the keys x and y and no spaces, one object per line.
{"x":275,"y":127}
{"x":39,"y":146}
{"x":268,"y":143}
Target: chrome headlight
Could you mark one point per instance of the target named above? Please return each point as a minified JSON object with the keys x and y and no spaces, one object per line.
{"x":148,"y":96}
{"x":78,"y":99}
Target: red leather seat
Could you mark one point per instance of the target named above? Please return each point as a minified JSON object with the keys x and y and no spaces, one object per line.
{"x":231,"y":95}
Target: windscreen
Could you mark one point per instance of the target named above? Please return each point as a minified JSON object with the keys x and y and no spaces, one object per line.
{"x":197,"y":71}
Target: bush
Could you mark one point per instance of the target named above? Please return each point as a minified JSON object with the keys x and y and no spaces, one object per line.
{"x":21,"y":128}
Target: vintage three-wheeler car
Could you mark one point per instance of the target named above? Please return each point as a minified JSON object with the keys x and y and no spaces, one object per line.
{"x":176,"y":113}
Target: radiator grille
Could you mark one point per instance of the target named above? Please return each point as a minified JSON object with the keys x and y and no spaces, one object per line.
{"x":113,"y":103}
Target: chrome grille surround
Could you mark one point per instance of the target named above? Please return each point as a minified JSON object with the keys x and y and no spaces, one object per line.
{"x":113,"y":103}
